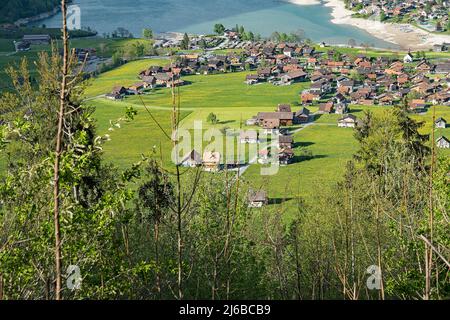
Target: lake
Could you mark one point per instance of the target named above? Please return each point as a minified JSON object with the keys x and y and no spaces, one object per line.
{"x":199,"y":16}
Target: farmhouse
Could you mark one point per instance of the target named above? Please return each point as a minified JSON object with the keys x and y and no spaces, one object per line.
{"x":424,"y":66}
{"x":252,"y":79}
{"x":348,"y":121}
{"x":286,"y":156}
{"x":21,"y":46}
{"x":270,"y":125}
{"x":326,"y":107}
{"x":284,"y":108}
{"x":443,"y":142}
{"x":113,"y":96}
{"x":137,"y":88}
{"x":119,"y":90}
{"x":150,"y":81}
{"x":37,"y":38}
{"x":417,"y":105}
{"x":252,"y":121}
{"x":211,"y":161}
{"x":192,"y":159}
{"x":441,"y":47}
{"x":257,"y":199}
{"x":284,"y":118}
{"x":294,"y":76}
{"x":264,"y":73}
{"x":441,"y":123}
{"x":442,"y":68}
{"x":308,"y":96}
{"x":408,"y":58}
{"x":285,"y":142}
{"x":302,"y":116}
{"x":163,"y":79}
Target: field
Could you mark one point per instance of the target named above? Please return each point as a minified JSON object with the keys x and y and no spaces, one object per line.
{"x":105,"y":48}
{"x":227,"y":96}
{"x":125,"y":75}
{"x":233,"y":102}
{"x":369,"y":52}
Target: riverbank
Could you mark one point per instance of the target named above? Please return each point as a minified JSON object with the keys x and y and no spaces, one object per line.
{"x":404,"y":35}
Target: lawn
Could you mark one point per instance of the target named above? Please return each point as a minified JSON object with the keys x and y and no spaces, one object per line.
{"x":137,"y":137}
{"x":105,"y":48}
{"x":370,"y":52}
{"x":125,"y":75}
{"x":226,"y":91}
{"x":331,"y":149}
{"x":233,"y":102}
{"x":441,"y":111}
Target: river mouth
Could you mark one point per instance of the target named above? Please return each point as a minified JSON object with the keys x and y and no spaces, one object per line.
{"x":198,"y":16}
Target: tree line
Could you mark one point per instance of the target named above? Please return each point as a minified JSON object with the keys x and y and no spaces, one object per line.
{"x":13,"y":10}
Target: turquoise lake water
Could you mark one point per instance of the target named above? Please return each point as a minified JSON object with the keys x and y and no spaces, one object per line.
{"x":199,"y":16}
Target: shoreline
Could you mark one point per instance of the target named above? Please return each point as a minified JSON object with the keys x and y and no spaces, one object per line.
{"x":302,"y":2}
{"x":404,"y":35}
{"x":40,"y":16}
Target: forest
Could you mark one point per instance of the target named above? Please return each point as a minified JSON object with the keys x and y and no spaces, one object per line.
{"x":13,"y":10}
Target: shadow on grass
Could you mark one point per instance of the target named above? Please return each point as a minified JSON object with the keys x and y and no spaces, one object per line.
{"x":303,"y":158}
{"x":279,"y":200}
{"x":226,"y":122}
{"x":303,"y":144}
{"x":354,"y":110}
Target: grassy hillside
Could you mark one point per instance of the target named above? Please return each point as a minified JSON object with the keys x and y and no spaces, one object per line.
{"x":232,"y":100}
{"x":105,"y":48}
{"x":227,"y":96}
{"x":125,"y":75}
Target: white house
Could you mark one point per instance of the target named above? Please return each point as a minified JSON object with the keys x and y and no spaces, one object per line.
{"x":408,"y":58}
{"x":443,"y":142}
{"x":441,"y":123}
{"x":192,"y":159}
{"x":348,"y":121}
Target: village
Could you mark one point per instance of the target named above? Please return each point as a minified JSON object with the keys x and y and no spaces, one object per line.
{"x":335,"y":81}
{"x":429,"y":15}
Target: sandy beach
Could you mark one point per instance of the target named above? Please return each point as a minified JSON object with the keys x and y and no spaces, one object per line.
{"x":404,"y":35}
{"x":303,"y":2}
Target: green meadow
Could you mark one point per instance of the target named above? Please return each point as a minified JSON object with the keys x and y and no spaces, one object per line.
{"x":105,"y":48}
{"x":233,"y":102}
{"x":125,"y":75}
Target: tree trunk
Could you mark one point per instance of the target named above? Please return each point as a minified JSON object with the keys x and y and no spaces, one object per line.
{"x":158,"y":276}
{"x":58,"y":149}
{"x":429,"y":256}
{"x":1,"y":286}
{"x":379,"y":253}
{"x":297,"y":266}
